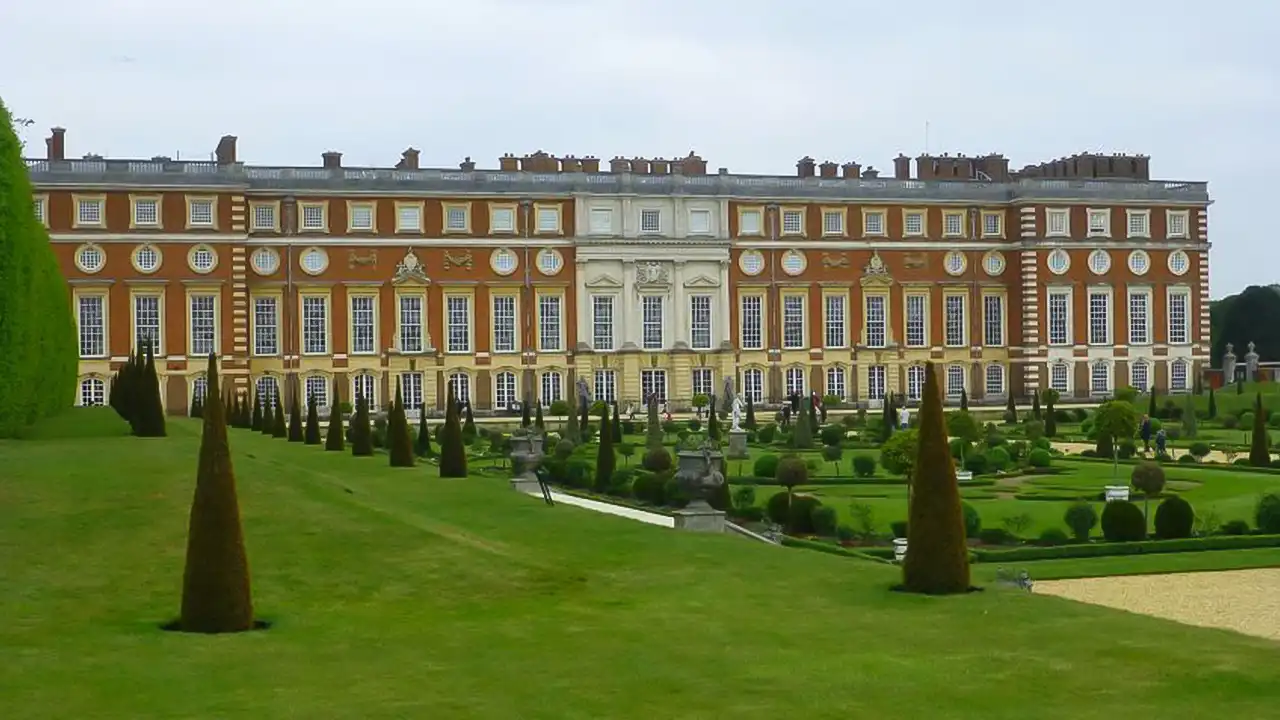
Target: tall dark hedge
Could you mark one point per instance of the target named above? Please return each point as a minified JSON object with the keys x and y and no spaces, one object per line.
{"x":937,"y":561}
{"x":150,"y":410}
{"x":215,"y":584}
{"x":606,"y":460}
{"x":255,"y":422}
{"x":469,"y":427}
{"x":538,"y":422}
{"x":524,"y":413}
{"x":1259,"y":453}
{"x":453,"y":453}
{"x":361,"y":432}
{"x":333,"y":436}
{"x":422,"y":446}
{"x":39,"y":347}
{"x":279,"y":429}
{"x":295,"y":415}
{"x":399,"y":442}
{"x":311,"y":436}
{"x":617,"y":425}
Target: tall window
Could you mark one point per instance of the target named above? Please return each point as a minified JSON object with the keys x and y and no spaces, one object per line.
{"x":504,"y":323}
{"x":1139,"y":377}
{"x":504,"y":389}
{"x":552,"y":387}
{"x":317,"y":390}
{"x":549,"y":323}
{"x":268,"y":390}
{"x":362,"y":385}
{"x":836,"y":332}
{"x":994,"y":380}
{"x":458,"y":316}
{"x":954,"y":316}
{"x":752,"y":323}
{"x":411,"y":390}
{"x":915,"y":382}
{"x":203,"y":324}
{"x":1178,"y":376}
{"x":795,"y":381}
{"x":411,"y":333}
{"x":93,"y":392}
{"x":1059,"y":377}
{"x":1059,"y":318}
{"x":700,"y":322}
{"x":1139,"y":318}
{"x":606,"y":386}
{"x":702,"y":381}
{"x":315,"y":326}
{"x":836,"y":382}
{"x":602,"y":322}
{"x":876,"y":376}
{"x":1099,"y":318}
{"x":1099,"y":378}
{"x":651,"y":315}
{"x":992,"y":320}
{"x":364,"y":324}
{"x":793,"y":322}
{"x":200,"y":388}
{"x":753,"y":384}
{"x":93,"y":328}
{"x":266,"y":326}
{"x":875,"y":319}
{"x":460,"y":386}
{"x":653,"y":384}
{"x":146,"y":321}
{"x":955,"y":380}
{"x":1179,"y":302}
{"x":916,"y":305}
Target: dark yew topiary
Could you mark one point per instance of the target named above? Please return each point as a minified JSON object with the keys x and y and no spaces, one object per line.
{"x":937,"y":559}
{"x":656,"y":459}
{"x":1082,"y":519}
{"x":279,"y":428}
{"x":311,"y":435}
{"x":1122,"y":521}
{"x":1035,"y":406}
{"x":750,"y":422}
{"x":469,"y":427}
{"x":1213,"y":404}
{"x":606,"y":460}
{"x":1050,"y":417}
{"x":1174,"y":519}
{"x":453,"y":452}
{"x":268,"y":418}
{"x":616,"y":425}
{"x":399,"y":442}
{"x":333,"y":439}
{"x":653,"y":426}
{"x":215,"y":584}
{"x":151,"y":409}
{"x":524,"y":413}
{"x":422,"y":444}
{"x":1010,"y":411}
{"x":197,"y":405}
{"x":802,"y":437}
{"x":537,"y":420}
{"x":1266,"y":515}
{"x":964,"y":400}
{"x":295,"y":415}
{"x":571,"y":428}
{"x":1259,"y":453}
{"x":255,"y":420}
{"x":361,"y":431}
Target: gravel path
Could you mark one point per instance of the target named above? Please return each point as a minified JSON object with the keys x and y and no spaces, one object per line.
{"x":1247,"y":601}
{"x":1218,"y":456}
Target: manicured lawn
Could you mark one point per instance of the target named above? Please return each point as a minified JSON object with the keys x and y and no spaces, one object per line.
{"x":397,"y":594}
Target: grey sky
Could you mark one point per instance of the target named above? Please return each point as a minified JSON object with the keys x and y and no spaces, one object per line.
{"x":749,"y":84}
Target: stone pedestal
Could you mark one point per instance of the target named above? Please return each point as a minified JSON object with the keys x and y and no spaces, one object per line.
{"x":700,"y":517}
{"x":526,"y":453}
{"x":738,"y":444}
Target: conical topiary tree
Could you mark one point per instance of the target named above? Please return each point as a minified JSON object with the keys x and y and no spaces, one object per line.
{"x":215,"y":585}
{"x":964,"y":399}
{"x":311,"y":434}
{"x":571,"y":432}
{"x":197,"y":407}
{"x":1213,"y":404}
{"x":361,"y":433}
{"x":399,"y":442}
{"x":1190,"y":426}
{"x":151,"y":423}
{"x":268,"y":427}
{"x":255,"y":420}
{"x":616,"y":425}
{"x":888,"y":419}
{"x":538,"y":422}
{"x":606,"y":460}
{"x":937,"y":561}
{"x":1035,"y":406}
{"x":333,"y":439}
{"x":469,"y":427}
{"x":295,"y":415}
{"x":584,"y":421}
{"x":1259,"y":454}
{"x":279,"y":428}
{"x":453,"y":452}
{"x":653,"y":428}
{"x":423,"y":444}
{"x":246,"y":412}
{"x":524,"y":414}
{"x":713,"y":423}
{"x":802,"y":436}
{"x":1050,"y":419}
{"x":233,"y":411}
{"x":1010,"y":411}
{"x":750,"y":421}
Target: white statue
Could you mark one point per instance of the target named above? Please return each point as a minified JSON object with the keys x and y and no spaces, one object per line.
{"x":737,"y":413}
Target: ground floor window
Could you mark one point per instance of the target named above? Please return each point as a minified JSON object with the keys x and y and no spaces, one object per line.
{"x":653,"y":384}
{"x":93,"y":392}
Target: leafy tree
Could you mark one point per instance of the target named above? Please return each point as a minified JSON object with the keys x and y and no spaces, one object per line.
{"x":898,"y":456}
{"x":1082,"y":518}
{"x":616,"y":427}
{"x":1251,"y":316}
{"x":833,"y":455}
{"x":215,"y":583}
{"x":423,"y":444}
{"x":524,"y":413}
{"x":1189,"y":427}
{"x":311,"y":435}
{"x":790,"y":474}
{"x":1035,"y":406}
{"x":1213,"y":404}
{"x":279,"y":429}
{"x":333,"y":439}
{"x":1050,"y":419}
{"x":295,"y":415}
{"x":1149,"y":478}
{"x":255,"y":420}
{"x":399,"y":444}
{"x":964,"y":400}
{"x":453,"y":451}
{"x":962,"y":425}
{"x":151,"y":409}
{"x":361,"y":432}
{"x":627,"y":451}
{"x":937,"y":561}
{"x":606,"y":461}
{"x":1259,"y":454}
{"x":1113,"y":421}
{"x":39,"y":343}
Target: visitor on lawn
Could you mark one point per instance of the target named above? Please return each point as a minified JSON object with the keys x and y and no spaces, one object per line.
{"x":1146,"y":433}
{"x":904,"y":419}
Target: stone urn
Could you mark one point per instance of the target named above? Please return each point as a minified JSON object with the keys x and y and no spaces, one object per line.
{"x":699,"y":473}
{"x":526,"y":454}
{"x":899,"y":549}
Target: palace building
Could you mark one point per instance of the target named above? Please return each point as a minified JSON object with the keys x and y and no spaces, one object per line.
{"x":646,"y":276}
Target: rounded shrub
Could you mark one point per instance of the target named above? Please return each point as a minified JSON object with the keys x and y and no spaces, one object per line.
{"x":823,"y":519}
{"x":1230,"y":422}
{"x":766,"y":466}
{"x":564,"y":449}
{"x":1086,"y":428}
{"x":1041,"y":444}
{"x":1266,"y":515}
{"x":766,"y":433}
{"x":1174,"y":519}
{"x":1247,"y":419}
{"x":1053,"y":536}
{"x":1040,"y":458}
{"x":792,"y":471}
{"x":976,"y":463}
{"x":898,"y":528}
{"x":1126,"y":449}
{"x":996,"y":536}
{"x":1148,"y":477}
{"x":777,"y":507}
{"x":972,"y":520}
{"x":643,"y":486}
{"x":1122,"y":521}
{"x":1234,"y":527}
{"x":864,"y":466}
{"x":1274,"y":420}
{"x":672,"y":494}
{"x":656,"y":459}
{"x":800,"y":519}
{"x":1199,"y":449}
{"x":1081,"y":518}
{"x":1079,"y":414}
{"x":960,"y":448}
{"x":1187,"y":459}
{"x":998,"y":458}
{"x":831,"y":435}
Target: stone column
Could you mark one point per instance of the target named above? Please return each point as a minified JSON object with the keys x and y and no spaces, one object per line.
{"x":679,"y":335}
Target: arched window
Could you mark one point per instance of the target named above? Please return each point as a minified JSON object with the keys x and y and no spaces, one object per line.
{"x":411,"y":390}
{"x":460,"y":385}
{"x":93,"y":392}
{"x":955,"y":380}
{"x":316,"y":388}
{"x":1099,"y":378}
{"x":268,"y":389}
{"x":753,"y":384}
{"x":552,"y":386}
{"x":1178,"y":372}
{"x":504,"y":390}
{"x":1140,"y":376}
{"x":364,"y":385}
{"x":836,"y":382}
{"x":199,"y":387}
{"x":1060,"y":377}
{"x":915,"y":382}
{"x":795,"y":381}
{"x":995,"y":380}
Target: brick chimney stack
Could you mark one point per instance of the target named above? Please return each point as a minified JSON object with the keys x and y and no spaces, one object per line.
{"x":640,"y":166}
{"x":467,"y":164}
{"x":408,"y":160}
{"x":660,"y":166}
{"x":570,"y":164}
{"x":332,"y":160}
{"x":828,"y":169}
{"x":225,"y":153}
{"x":692,"y":164}
{"x":508,"y":163}
{"x":806,"y":167}
{"x":902,"y":167}
{"x":591,"y":164}
{"x":851,"y":171}
{"x":871,"y":173}
{"x":619,"y":164}
{"x":924,"y":167}
{"x":56,"y":144}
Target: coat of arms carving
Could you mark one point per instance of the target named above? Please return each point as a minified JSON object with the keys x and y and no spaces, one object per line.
{"x":651,"y":273}
{"x":411,"y":268}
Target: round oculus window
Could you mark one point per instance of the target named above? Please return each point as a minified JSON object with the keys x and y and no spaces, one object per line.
{"x":793,"y":262}
{"x":90,"y":259}
{"x":550,"y":262}
{"x":993,"y":263}
{"x":1179,"y":263}
{"x":503,"y":261}
{"x":265,"y":261}
{"x":1139,"y":262}
{"x":1099,"y":262}
{"x":1058,"y":262}
{"x":751,"y":262}
{"x":203,"y":259}
{"x":313,"y":261}
{"x":954,"y":262}
{"x":146,"y":258}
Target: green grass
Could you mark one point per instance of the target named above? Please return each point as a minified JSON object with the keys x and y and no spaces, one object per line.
{"x":1138,"y":564}
{"x":397,"y":594}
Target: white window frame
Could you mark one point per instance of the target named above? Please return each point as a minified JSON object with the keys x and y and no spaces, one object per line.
{"x":362,"y":216}
{"x":916,"y":217}
{"x":310,"y":325}
{"x":700,"y":327}
{"x":753,"y":384}
{"x":157,"y":338}
{"x":196,"y":218}
{"x":955,"y":320}
{"x":460,"y":383}
{"x":835,"y":316}
{"x":503,"y":312}
{"x":654,"y":380}
{"x":997,"y":371}
{"x":650,"y":221}
{"x":137,"y":215}
{"x":876,"y":320}
{"x":833,"y":223}
{"x":703,"y":381}
{"x":1057,"y":222}
{"x":1143,"y":334}
{"x":1174,"y":385}
{"x":202,"y":324}
{"x":363,"y":316}
{"x":750,"y":222}
{"x":751,"y":322}
{"x":652,"y":317}
{"x":412,"y":394}
{"x":605,"y":387}
{"x":408,"y":218}
{"x":700,"y":222}
{"x":795,"y":381}
{"x":877,"y":382}
{"x":837,"y":382}
{"x":366,"y":383}
{"x":600,"y":221}
{"x":1067,"y":319}
{"x":92,"y":332}
{"x":993,"y":334}
{"x":267,"y":388}
{"x":548,"y":219}
{"x":1100,"y":369}
{"x":1178,"y":334}
{"x":1107,"y":321}
{"x":1181,"y":216}
{"x":506,"y":392}
{"x":411,"y":320}
{"x":90,"y":212}
{"x":953,"y":223}
{"x":1095,"y":229}
{"x":957,"y":379}
{"x":91,"y":392}
{"x":1140,"y":367}
{"x":457,"y":323}
{"x":792,"y":222}
{"x":317,"y":387}
{"x":873,"y":223}
{"x":794,"y":315}
{"x":1063,"y":388}
{"x":603,"y":327}
{"x":266,"y":325}
{"x":550,"y":323}
{"x":1139,"y":219}
{"x":915,"y":319}
{"x":915,"y":382}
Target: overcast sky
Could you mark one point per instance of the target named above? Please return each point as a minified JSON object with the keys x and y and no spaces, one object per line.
{"x":752,"y":85}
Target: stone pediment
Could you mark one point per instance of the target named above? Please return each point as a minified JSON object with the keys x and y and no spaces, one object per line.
{"x":702,"y":281}
{"x":604,"y":281}
{"x":876,"y":272}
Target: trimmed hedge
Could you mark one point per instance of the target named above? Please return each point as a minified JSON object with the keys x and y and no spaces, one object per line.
{"x":832,"y":549}
{"x":848,"y":480}
{"x":1189,"y":466}
{"x":1142,"y":547}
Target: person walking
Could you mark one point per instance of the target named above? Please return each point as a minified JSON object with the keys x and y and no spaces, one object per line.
{"x":1160,"y":442}
{"x":1146,"y":433}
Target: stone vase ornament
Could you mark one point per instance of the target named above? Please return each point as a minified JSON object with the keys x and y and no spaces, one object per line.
{"x":699,"y":473}
{"x":526,"y":454}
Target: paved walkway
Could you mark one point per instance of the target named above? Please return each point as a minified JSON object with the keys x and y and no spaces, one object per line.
{"x":1214,"y":455}
{"x":610,"y":509}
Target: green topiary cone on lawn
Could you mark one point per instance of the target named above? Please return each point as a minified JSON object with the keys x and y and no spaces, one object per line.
{"x":399,"y":443}
{"x":1035,"y":406}
{"x":750,"y":421}
{"x":255,"y":420}
{"x":295,"y":415}
{"x":268,"y":427}
{"x":606,"y":460}
{"x":422,"y":446}
{"x":937,"y":561}
{"x":215,"y":585}
{"x":538,"y":422}
{"x":653,"y":427}
{"x":616,"y":425}
{"x":333,"y":439}
{"x":279,"y":429}
{"x":311,"y":435}
{"x":1213,"y":404}
{"x":469,"y":427}
{"x":453,"y":452}
{"x":151,"y":413}
{"x":361,"y":433}
{"x":1259,"y":453}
